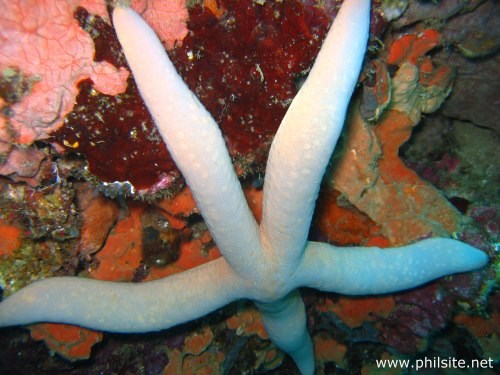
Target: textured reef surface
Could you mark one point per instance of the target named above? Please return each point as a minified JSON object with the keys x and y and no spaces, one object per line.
{"x":88,"y":188}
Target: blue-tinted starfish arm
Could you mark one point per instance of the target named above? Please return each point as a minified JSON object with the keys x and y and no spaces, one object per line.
{"x":285,"y":322}
{"x":371,"y":270}
{"x":124,"y":307}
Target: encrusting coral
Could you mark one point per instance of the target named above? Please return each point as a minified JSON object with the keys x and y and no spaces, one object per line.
{"x":265,"y":263}
{"x":30,"y":46}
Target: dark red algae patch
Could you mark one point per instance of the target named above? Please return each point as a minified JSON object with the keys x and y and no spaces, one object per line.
{"x":245,"y":66}
{"x":115,"y":133}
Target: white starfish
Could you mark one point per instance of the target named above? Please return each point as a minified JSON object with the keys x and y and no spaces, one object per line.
{"x":265,"y":263}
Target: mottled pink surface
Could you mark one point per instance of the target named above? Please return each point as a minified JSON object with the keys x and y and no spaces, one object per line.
{"x":24,"y":162}
{"x":97,"y":7}
{"x":44,"y":41}
{"x":167,"y":18}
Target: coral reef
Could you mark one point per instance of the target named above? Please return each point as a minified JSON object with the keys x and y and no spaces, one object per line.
{"x":247,"y":82}
{"x":55,"y":217}
{"x":70,"y":342}
{"x":42,"y":59}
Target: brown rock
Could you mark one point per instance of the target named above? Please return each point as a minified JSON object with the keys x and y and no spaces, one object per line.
{"x":99,"y":214}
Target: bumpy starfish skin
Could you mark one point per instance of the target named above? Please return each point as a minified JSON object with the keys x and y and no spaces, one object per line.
{"x":265,"y":263}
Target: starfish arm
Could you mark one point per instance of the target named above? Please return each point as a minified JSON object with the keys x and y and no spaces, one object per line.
{"x":194,"y":141}
{"x":124,"y":307}
{"x":371,"y":270}
{"x":308,"y":133}
{"x":285,"y":322}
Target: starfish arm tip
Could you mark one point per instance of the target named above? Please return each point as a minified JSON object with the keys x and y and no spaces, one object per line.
{"x":361,"y":270}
